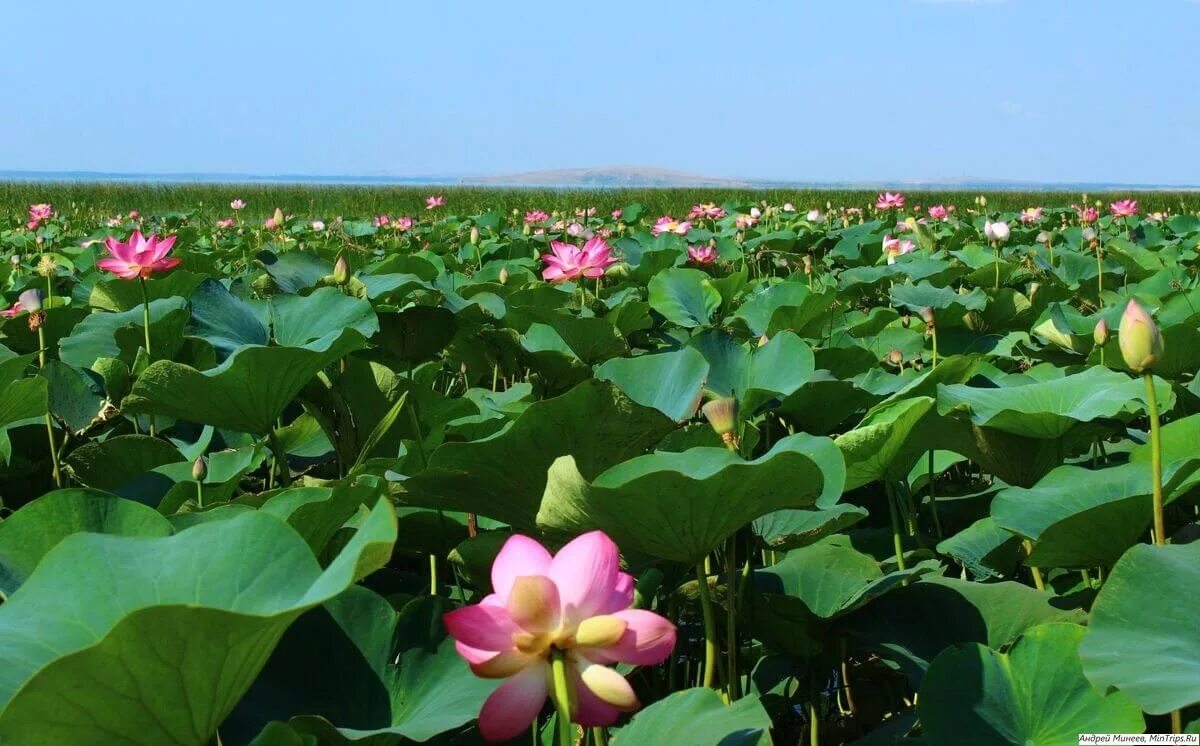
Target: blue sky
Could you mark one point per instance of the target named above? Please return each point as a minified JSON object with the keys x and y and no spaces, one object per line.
{"x":1048,"y":90}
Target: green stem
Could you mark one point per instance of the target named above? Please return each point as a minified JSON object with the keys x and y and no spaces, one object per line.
{"x":814,"y":727}
{"x":199,"y":494}
{"x":416,"y":426}
{"x":731,"y":641}
{"x":433,"y":581}
{"x":49,"y":420}
{"x":599,"y":736}
{"x":933,"y":508}
{"x":710,"y":628}
{"x":933,"y":333}
{"x":997,"y":247}
{"x":146,"y":330}
{"x":1038,"y":582}
{"x":562,"y":696}
{"x":894,"y":514}
{"x":280,"y":459}
{"x":1160,"y":529}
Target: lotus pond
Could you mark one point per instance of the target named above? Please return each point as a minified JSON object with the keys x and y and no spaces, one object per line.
{"x":749,"y":473}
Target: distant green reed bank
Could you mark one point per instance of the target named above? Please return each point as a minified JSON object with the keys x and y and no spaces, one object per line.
{"x":327,"y":201}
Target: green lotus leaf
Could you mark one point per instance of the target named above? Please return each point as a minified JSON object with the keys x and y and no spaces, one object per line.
{"x":110,"y":464}
{"x":298,"y":320}
{"x":685,"y":297}
{"x":788,"y":529}
{"x":680,"y":506}
{"x":698,"y":717}
{"x":504,"y":476}
{"x":224,"y":320}
{"x":984,"y":549}
{"x":170,"y":649}
{"x":1034,"y":694}
{"x":120,"y":335}
{"x":668,"y":381}
{"x":246,"y":393}
{"x":1144,"y":633}
{"x":122,"y":295}
{"x":28,"y":534}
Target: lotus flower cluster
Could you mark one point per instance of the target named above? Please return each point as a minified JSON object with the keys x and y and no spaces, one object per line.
{"x":668,"y":224}
{"x":139,"y":257}
{"x":888,"y":201}
{"x":568,"y":262}
{"x":575,"y":603}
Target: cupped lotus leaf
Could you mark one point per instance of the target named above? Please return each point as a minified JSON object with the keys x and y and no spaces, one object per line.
{"x":172,"y":647}
{"x":76,"y":395}
{"x":357,"y":670}
{"x":120,"y":335}
{"x":293,"y":271}
{"x":224,"y":320}
{"x":758,"y":309}
{"x":871,"y":446}
{"x":1049,"y":409}
{"x":984,"y":549}
{"x":297,"y":320}
{"x":668,"y":381}
{"x":683,"y":296}
{"x":247,"y":392}
{"x":698,"y":717}
{"x":316,"y":513}
{"x":28,"y":534}
{"x":109,"y":464}
{"x":1079,"y":517}
{"x":1178,"y":440}
{"x":787,"y":529}
{"x":1034,"y":694}
{"x":504,"y":476}
{"x":680,"y":506}
{"x":1144,"y":634}
{"x":913,"y":624}
{"x":122,"y":295}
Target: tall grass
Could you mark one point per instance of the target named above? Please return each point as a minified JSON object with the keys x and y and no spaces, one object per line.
{"x":96,"y":200}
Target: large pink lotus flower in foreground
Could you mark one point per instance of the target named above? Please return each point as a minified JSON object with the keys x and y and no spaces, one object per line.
{"x":887,"y":200}
{"x":1124,"y":208}
{"x":568,"y":262}
{"x":575,"y":603}
{"x":139,"y":257}
{"x":668,"y":224}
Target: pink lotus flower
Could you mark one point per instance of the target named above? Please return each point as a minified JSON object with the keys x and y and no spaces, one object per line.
{"x":402,"y":224}
{"x":40,"y":212}
{"x":226,"y":223}
{"x":237,"y":204}
{"x":617,"y":214}
{"x":1032,"y":214}
{"x":1088,"y":215}
{"x":789,"y":207}
{"x":574,"y":229}
{"x":434,"y":201}
{"x":706,"y":210}
{"x":903,"y":227}
{"x":567,"y":262}
{"x":1124,"y":208}
{"x":575,"y":603}
{"x":887,"y":201}
{"x":895,"y":247}
{"x":381,"y":221}
{"x":270,"y":224}
{"x":813,"y":216}
{"x":318,"y":225}
{"x":139,"y":257}
{"x":585,"y":213}
{"x":536,"y":216}
{"x":937,"y":212}
{"x":668,"y":224}
{"x":15,"y":309}
{"x":742,"y":222}
{"x":702,"y":254}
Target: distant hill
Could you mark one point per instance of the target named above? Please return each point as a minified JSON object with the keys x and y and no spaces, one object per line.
{"x":611,"y":177}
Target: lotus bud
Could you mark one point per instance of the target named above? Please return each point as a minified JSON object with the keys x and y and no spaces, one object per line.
{"x":474,"y":235}
{"x":619,"y":270}
{"x":504,"y":275}
{"x":199,"y":469}
{"x":527,"y":229}
{"x":895,"y":357}
{"x":905,"y":320}
{"x":46,"y":266}
{"x":31,"y":299}
{"x":1089,"y":234}
{"x":341,"y":271}
{"x":1141,"y":341}
{"x":15,"y":259}
{"x":1101,"y":333}
{"x":997,"y":232}
{"x":982,"y":201}
{"x":808,"y":264}
{"x":1043,"y":237}
{"x":722,"y":415}
{"x":926,"y":315}
{"x":763,"y":340}
{"x":278,"y":218}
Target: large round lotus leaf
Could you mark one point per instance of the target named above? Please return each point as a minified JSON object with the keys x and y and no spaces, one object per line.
{"x":871,"y":446}
{"x":1049,"y":409}
{"x":680,"y":506}
{"x":120,"y":335}
{"x":109,"y":464}
{"x":316,"y":513}
{"x":225,"y":321}
{"x":913,"y":624}
{"x":755,"y":375}
{"x":668,"y":381}
{"x":685,"y":297}
{"x":1079,"y":517}
{"x":27,"y":535}
{"x":246,"y":393}
{"x":123,"y":295}
{"x":758,"y":310}
{"x":355,"y":669}
{"x":698,"y":717}
{"x":117,"y":639}
{"x":1035,"y":694}
{"x":787,"y":529}
{"x":297,"y":320}
{"x":1144,"y":634}
{"x":985,"y":549}
{"x":503,"y":476}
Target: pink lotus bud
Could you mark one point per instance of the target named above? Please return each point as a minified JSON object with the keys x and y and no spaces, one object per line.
{"x":895,"y":357}
{"x":1101,"y":333}
{"x":997,"y":232}
{"x":722,"y":414}
{"x":927,"y":317}
{"x":504,"y":275}
{"x":237,"y":204}
{"x":1140,"y":340}
{"x":341,"y":271}
{"x":199,"y":469}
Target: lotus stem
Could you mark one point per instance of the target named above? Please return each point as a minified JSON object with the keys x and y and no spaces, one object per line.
{"x":933,"y":335}
{"x":733,"y":684}
{"x":1038,"y":582}
{"x":897,"y":530}
{"x":562,"y":696}
{"x":199,"y":494}
{"x":280,"y":459}
{"x":710,"y":628}
{"x":599,"y":736}
{"x":814,"y":726}
{"x":933,"y":508}
{"x":996,"y":246}
{"x":54,"y":470}
{"x":1160,"y":529}
{"x":146,"y":330}
{"x":433,"y":579}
